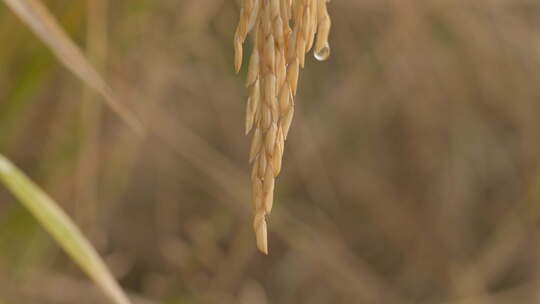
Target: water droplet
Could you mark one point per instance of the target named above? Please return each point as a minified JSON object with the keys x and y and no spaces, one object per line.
{"x":323,"y":53}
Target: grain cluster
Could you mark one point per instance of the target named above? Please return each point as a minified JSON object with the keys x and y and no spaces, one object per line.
{"x":282,"y":31}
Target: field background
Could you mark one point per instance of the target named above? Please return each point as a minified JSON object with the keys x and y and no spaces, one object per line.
{"x":411,"y":174}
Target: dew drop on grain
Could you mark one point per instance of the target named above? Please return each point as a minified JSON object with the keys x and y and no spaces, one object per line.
{"x":323,"y":53}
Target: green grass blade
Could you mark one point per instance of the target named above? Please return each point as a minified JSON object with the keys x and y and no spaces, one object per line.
{"x":38,"y":18}
{"x":60,"y":226}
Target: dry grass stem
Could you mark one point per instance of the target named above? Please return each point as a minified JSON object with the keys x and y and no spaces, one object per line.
{"x":283,"y":32}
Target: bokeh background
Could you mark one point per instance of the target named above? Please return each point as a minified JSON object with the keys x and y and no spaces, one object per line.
{"x":411,"y":174}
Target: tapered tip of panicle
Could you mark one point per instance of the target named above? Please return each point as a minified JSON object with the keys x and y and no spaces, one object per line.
{"x":262,"y":244}
{"x":261,"y":234}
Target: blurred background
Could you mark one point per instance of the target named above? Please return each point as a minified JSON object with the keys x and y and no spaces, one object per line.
{"x":411,"y":174}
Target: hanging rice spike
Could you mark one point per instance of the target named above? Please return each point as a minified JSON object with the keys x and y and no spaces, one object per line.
{"x":283,"y":32}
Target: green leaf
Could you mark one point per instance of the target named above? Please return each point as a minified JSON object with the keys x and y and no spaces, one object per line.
{"x":61,"y":227}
